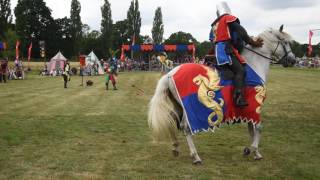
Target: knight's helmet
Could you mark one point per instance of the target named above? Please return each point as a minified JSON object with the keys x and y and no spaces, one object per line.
{"x":222,"y":8}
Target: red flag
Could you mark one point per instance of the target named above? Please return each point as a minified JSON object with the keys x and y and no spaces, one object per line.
{"x":310,"y":45}
{"x":17,"y":49}
{"x":29,"y":52}
{"x":122,"y":54}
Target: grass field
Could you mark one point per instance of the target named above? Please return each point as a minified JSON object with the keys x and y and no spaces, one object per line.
{"x":47,"y":132}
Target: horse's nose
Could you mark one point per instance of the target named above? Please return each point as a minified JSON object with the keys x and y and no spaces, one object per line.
{"x":291,"y":59}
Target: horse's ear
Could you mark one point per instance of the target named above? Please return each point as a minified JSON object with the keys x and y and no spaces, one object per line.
{"x":281,"y":28}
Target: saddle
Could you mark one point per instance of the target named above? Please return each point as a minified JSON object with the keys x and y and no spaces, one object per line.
{"x":211,"y":61}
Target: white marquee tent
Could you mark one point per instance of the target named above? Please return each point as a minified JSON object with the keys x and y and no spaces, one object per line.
{"x":92,"y":62}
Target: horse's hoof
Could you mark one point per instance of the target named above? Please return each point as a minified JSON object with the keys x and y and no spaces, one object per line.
{"x":246,"y":151}
{"x":197,"y":162}
{"x":175,"y":153}
{"x":257,"y":158}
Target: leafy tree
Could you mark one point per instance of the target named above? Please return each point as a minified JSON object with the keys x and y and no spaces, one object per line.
{"x":91,"y":42}
{"x":53,"y":41}
{"x":34,"y":23}
{"x":297,"y":49}
{"x":120,"y":33}
{"x":181,"y":38}
{"x":64,"y":37}
{"x":10,"y":37}
{"x":76,"y":26}
{"x":5,"y":16}
{"x":106,"y":28}
{"x":202,"y":49}
{"x":134,"y":19}
{"x":158,"y":27}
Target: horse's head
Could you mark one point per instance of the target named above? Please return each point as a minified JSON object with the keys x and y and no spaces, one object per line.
{"x":278,"y":45}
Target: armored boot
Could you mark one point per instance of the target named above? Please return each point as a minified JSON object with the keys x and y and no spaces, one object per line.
{"x":239,"y":99}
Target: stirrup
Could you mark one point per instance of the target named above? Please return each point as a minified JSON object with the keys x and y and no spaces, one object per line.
{"x":240,"y":101}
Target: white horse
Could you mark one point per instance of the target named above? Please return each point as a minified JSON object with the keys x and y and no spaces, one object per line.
{"x":167,"y":115}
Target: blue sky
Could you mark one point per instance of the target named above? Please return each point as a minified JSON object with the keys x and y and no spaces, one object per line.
{"x":195,"y":16}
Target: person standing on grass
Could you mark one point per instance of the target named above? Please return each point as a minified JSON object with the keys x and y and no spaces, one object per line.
{"x":66,"y":74}
{"x":3,"y":70}
{"x":110,"y":76}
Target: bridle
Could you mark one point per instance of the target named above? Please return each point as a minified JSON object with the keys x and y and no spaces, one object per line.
{"x":283,"y":59}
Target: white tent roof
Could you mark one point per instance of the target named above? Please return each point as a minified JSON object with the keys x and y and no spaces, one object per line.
{"x":59,"y":57}
{"x":91,"y":58}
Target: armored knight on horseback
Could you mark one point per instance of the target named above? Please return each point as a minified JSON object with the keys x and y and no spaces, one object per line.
{"x":227,"y":36}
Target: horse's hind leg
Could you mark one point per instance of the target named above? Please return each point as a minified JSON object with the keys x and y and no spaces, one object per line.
{"x":193,"y":150}
{"x":256,"y":140}
{"x":175,"y":149}
{"x":175,"y":144}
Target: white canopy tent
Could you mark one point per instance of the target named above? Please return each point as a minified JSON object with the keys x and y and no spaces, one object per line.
{"x":93,"y":63}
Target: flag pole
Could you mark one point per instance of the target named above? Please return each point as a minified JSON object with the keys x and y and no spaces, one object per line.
{"x":133,"y":43}
{"x":29,"y":56}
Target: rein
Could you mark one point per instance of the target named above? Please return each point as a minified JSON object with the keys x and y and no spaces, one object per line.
{"x":258,"y":53}
{"x":273,"y":53}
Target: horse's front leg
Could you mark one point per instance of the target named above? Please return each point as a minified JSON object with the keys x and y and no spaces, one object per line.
{"x":255,"y":135}
{"x":247,"y":150}
{"x":256,"y":140}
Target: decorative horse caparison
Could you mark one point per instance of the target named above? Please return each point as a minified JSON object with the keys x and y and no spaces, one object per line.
{"x":169,"y":108}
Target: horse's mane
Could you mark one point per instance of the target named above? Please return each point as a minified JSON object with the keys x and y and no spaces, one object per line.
{"x":271,"y":35}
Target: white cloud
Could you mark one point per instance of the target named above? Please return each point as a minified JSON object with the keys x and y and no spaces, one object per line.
{"x":195,"y":16}
{"x":276,"y":4}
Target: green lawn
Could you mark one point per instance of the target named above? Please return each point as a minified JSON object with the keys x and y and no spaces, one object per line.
{"x":47,"y":132}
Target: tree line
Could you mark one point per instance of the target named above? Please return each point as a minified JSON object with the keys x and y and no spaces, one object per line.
{"x":34,"y":23}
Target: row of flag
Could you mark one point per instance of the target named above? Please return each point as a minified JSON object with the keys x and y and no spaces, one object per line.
{"x":4,"y":46}
{"x":123,"y":49}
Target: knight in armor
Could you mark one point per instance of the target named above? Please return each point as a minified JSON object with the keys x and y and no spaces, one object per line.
{"x":228,"y":38}
{"x":111,"y":72}
{"x":66,"y":74}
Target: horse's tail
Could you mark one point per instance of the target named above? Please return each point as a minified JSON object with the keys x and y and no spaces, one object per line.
{"x":162,"y":112}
